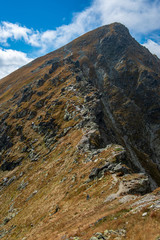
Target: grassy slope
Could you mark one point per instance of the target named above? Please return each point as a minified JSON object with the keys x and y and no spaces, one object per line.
{"x":37,"y":217}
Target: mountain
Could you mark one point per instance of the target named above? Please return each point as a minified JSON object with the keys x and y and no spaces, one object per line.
{"x":80,"y":142}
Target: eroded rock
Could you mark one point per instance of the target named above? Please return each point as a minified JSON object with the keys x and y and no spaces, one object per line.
{"x":8,"y":166}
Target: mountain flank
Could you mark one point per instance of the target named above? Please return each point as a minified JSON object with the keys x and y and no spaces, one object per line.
{"x":80,"y":142}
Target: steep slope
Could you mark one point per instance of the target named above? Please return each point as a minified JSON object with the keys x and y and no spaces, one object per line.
{"x":79,"y":141}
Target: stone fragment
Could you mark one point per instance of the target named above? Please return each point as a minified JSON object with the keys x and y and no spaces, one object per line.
{"x":32,"y":195}
{"x":94,"y":173}
{"x":144,"y":214}
{"x":40,"y":82}
{"x":40,"y":103}
{"x":8,"y":166}
{"x":27,"y":93}
{"x":32,"y":115}
{"x":22,"y":185}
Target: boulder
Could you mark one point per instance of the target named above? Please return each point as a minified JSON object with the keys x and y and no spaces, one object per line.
{"x":40,"y":103}
{"x":94,"y":173}
{"x":139,"y":185}
{"x":40,"y":82}
{"x":54,"y":66}
{"x":27,"y":93}
{"x":8,"y":166}
{"x":32,"y":115}
{"x":22,"y":113}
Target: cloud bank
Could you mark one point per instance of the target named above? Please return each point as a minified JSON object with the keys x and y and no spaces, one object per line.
{"x":11,"y":60}
{"x":140,"y":16}
{"x":153,"y":47}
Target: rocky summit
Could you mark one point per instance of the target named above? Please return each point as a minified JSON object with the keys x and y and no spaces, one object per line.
{"x":80,"y":142}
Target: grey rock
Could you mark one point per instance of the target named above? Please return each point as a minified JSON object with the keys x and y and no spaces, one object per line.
{"x":5,"y":180}
{"x":78,"y":79}
{"x":88,"y":99}
{"x":77,"y":64}
{"x":12,"y":179}
{"x":16,"y":95}
{"x":113,"y":233}
{"x":100,"y":236}
{"x":5,"y":139}
{"x":41,"y":93}
{"x":22,"y":113}
{"x":68,"y":116}
{"x":63,"y":179}
{"x":32,"y":114}
{"x":6,"y":220}
{"x":65,"y":131}
{"x":54,"y":66}
{"x":63,"y":90}
{"x":107,"y":165}
{"x":32,"y":195}
{"x":3,"y":232}
{"x":98,"y":172}
{"x":127,"y":198}
{"x":57,"y":209}
{"x":74,"y":177}
{"x":40,"y":82}
{"x":22,"y":185}
{"x":24,"y":149}
{"x":120,"y":168}
{"x":94,"y":173}
{"x":27,"y":93}
{"x":19,"y":129}
{"x":11,"y":215}
{"x":55,"y":81}
{"x":46,"y":76}
{"x":33,"y":155}
{"x":139,"y":185}
{"x":21,"y":174}
{"x":8,"y":166}
{"x":121,"y":156}
{"x":22,"y":138}
{"x":40,"y":103}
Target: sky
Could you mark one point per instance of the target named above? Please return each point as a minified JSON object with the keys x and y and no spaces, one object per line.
{"x":32,"y":28}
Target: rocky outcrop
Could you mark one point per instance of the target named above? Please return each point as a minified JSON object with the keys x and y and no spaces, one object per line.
{"x":27,"y":93}
{"x":8,"y":166}
{"x":5,"y":139}
{"x":130,"y":98}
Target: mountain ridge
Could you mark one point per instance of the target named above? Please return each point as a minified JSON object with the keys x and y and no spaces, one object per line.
{"x":79,"y":141}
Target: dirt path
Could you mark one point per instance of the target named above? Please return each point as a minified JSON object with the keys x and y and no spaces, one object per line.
{"x":121,"y":189}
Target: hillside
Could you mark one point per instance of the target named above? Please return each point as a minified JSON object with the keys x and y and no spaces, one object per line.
{"x":80,"y":142}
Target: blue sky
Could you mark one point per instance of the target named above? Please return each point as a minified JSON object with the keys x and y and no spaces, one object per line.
{"x":42,"y":14}
{"x":29,"y":29}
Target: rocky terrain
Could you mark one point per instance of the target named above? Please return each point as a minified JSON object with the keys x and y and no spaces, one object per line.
{"x":80,"y":142}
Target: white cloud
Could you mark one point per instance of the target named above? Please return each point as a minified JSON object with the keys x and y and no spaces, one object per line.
{"x":11,"y":60}
{"x":50,"y":39}
{"x":153,"y":47}
{"x":13,"y":31}
{"x":140,"y":16}
{"x":81,"y":23}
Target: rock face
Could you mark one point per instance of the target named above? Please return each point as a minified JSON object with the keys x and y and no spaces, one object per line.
{"x":130,"y":86}
{"x":128,"y":77}
{"x":80,"y":141}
